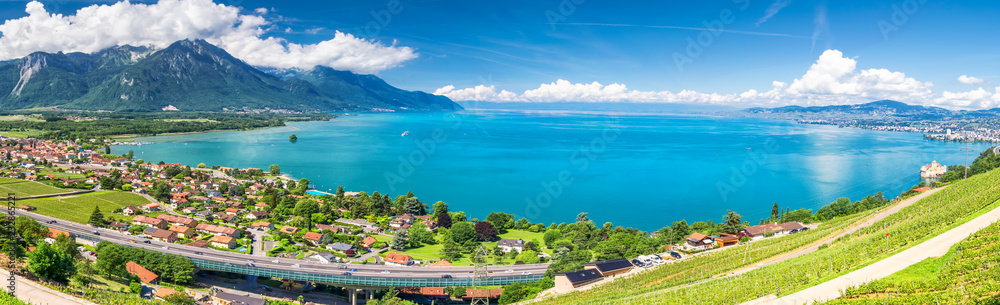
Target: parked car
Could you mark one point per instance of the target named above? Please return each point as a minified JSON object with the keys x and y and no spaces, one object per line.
{"x":675,"y":254}
{"x":638,"y":263}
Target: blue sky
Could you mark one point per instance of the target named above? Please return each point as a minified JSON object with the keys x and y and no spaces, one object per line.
{"x":519,"y":45}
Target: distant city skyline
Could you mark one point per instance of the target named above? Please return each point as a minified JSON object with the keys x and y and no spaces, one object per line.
{"x":738,"y":53}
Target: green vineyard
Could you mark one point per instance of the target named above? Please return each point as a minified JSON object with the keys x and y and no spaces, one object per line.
{"x":704,"y":266}
{"x":969,"y":274}
{"x":924,"y":219}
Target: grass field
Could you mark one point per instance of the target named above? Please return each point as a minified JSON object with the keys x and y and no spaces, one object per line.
{"x":62,"y":175}
{"x":78,"y":208}
{"x":23,"y":188}
{"x":19,"y":117}
{"x":22,"y":134}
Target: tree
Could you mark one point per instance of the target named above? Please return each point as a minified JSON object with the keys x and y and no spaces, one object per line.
{"x":84,"y":269}
{"x":130,"y":154}
{"x":458,"y":217}
{"x":521,"y":224}
{"x":29,"y":229}
{"x":801,"y":215}
{"x":274,"y":170}
{"x":528,"y":257}
{"x":107,"y":150}
{"x":440,"y":207}
{"x":450,"y":250}
{"x":400,"y":240}
{"x":47,"y":262}
{"x":306,"y":207}
{"x":66,"y":245}
{"x":678,"y":231}
{"x":582,"y":217}
{"x":179,"y":299}
{"x":202,"y":165}
{"x":390,"y":298}
{"x":463,"y":232}
{"x":303,"y":185}
{"x":501,"y":221}
{"x":485,"y":231}
{"x":135,"y":287}
{"x":444,"y":220}
{"x":775,"y":212}
{"x":293,"y":138}
{"x":413,"y":206}
{"x":733,"y":223}
{"x":419,"y":234}
{"x":96,"y":218}
{"x":551,"y":236}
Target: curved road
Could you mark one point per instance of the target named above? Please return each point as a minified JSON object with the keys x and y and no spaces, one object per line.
{"x":369,"y":270}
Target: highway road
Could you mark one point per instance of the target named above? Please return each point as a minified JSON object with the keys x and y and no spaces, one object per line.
{"x":368,"y":270}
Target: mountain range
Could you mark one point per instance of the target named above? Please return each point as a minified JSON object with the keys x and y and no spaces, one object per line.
{"x":192,"y":75}
{"x":876,"y":109}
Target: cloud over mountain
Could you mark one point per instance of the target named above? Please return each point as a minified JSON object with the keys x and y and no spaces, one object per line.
{"x":832,"y":80}
{"x":97,"y":27}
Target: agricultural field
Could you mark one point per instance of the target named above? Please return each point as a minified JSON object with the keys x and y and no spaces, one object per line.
{"x":62,"y":174}
{"x":24,"y":188}
{"x":8,"y":299}
{"x":968,"y":274}
{"x":707,"y":265}
{"x":77,"y":208}
{"x":22,"y":134}
{"x":923,"y":220}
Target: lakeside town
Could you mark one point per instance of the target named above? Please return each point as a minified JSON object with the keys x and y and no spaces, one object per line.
{"x":264,"y":214}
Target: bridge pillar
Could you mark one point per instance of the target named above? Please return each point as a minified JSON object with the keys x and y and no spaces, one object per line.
{"x":354,"y":296}
{"x":371,"y":294}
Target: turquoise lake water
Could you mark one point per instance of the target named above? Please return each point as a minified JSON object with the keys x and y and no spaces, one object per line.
{"x":635,"y":170}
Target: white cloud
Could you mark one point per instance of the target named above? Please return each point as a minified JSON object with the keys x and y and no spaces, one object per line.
{"x":832,"y":79}
{"x":261,"y":10}
{"x":97,"y":27}
{"x":478,"y":93}
{"x":969,"y":80}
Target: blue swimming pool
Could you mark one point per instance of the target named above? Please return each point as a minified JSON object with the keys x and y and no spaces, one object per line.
{"x":318,"y":193}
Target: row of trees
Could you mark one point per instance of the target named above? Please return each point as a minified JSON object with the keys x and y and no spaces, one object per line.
{"x":148,"y":124}
{"x":111,"y":259}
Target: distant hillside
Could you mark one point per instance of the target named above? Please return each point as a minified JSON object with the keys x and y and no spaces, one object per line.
{"x":883,"y":108}
{"x":191,"y":76}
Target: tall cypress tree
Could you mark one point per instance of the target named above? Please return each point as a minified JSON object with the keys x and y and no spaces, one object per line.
{"x":96,"y":218}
